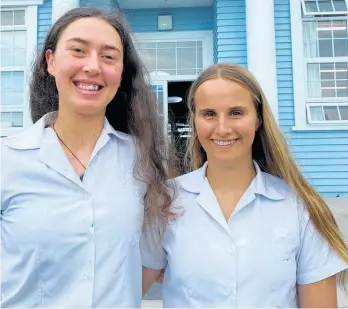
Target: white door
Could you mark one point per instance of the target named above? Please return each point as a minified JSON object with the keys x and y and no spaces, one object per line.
{"x":160,"y":88}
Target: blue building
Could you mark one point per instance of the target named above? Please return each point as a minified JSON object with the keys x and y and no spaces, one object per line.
{"x":298,"y":50}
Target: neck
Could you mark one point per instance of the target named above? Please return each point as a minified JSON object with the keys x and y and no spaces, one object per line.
{"x":235,"y":177}
{"x":79,"y":132}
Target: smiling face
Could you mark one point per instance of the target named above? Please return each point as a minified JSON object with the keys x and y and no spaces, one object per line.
{"x":225,"y":120}
{"x":87,"y":65}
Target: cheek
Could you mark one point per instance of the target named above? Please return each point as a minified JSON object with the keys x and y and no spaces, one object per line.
{"x":113,"y":75}
{"x":246,"y":128}
{"x":203,"y":128}
{"x":66,"y":69}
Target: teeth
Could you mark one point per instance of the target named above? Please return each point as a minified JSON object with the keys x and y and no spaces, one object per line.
{"x":224,"y":143}
{"x":88,"y":87}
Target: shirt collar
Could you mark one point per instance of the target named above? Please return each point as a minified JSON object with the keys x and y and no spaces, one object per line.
{"x":33,"y":136}
{"x":263,"y":184}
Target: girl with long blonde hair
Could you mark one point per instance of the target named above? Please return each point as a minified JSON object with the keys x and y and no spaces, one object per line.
{"x":252,"y":231}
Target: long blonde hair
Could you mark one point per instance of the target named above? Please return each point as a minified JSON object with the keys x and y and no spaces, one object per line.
{"x":269,"y":150}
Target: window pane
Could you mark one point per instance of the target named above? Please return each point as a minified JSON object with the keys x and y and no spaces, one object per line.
{"x":340,"y":29}
{"x":340,"y":5}
{"x":328,"y":84}
{"x":328,"y":93}
{"x":6,"y":58}
{"x":19,"y":39}
{"x":6,"y":80}
{"x":186,"y":58}
{"x":17,"y":119}
{"x":19,"y":18}
{"x":344,"y":112}
{"x":325,"y":48}
{"x":331,"y":113}
{"x":166,"y":45}
{"x":310,"y":34}
{"x":341,"y":47}
{"x":148,"y":56}
{"x":19,"y":57}
{"x":5,"y":119}
{"x":316,"y":113}
{"x":325,"y":6}
{"x":311,"y":6}
{"x":6,"y":97}
{"x":6,"y":39}
{"x":6,"y":18}
{"x":327,"y":75}
{"x":166,"y":59}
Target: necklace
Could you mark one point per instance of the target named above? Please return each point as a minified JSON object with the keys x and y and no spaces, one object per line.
{"x":54,"y":129}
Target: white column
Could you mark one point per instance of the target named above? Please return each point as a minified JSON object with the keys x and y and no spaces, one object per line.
{"x":59,"y":7}
{"x":261,"y":47}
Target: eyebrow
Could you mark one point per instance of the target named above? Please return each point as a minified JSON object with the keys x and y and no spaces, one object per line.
{"x":104,"y":46}
{"x":230,"y":108}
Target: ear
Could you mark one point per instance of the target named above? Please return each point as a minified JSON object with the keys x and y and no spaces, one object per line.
{"x":50,"y":61}
{"x":258,"y":123}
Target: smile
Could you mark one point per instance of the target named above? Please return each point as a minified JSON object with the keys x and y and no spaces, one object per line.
{"x":224,"y":143}
{"x":88,"y":87}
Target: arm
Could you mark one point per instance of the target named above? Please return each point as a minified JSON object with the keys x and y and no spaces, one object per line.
{"x":317,"y":266}
{"x":149,"y":277}
{"x":153,"y":255}
{"x":321,"y":294}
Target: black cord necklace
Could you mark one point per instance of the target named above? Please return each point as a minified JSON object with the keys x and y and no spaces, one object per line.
{"x":54,"y":129}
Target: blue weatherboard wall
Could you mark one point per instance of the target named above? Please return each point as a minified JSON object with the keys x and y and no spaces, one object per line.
{"x":99,"y":3}
{"x":230,"y":31}
{"x":322,"y":156}
{"x":45,"y":15}
{"x":44,"y":21}
{"x":184,"y":19}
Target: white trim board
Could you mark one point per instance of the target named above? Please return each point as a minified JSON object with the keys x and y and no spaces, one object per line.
{"x":299,"y":73}
{"x":12,"y":3}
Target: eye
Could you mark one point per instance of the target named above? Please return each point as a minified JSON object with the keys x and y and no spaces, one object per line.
{"x":77,"y":50}
{"x":236,"y":113}
{"x":209,"y":114}
{"x":109,"y":57}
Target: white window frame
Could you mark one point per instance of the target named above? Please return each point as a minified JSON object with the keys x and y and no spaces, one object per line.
{"x":31,"y":16}
{"x":305,"y":13}
{"x":300,"y":77}
{"x":207,"y":46}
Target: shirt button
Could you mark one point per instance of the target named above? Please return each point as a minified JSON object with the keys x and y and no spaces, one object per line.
{"x":230,"y":250}
{"x":86,"y":277}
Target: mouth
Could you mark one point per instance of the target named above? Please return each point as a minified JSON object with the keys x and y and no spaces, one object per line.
{"x":224,"y":143}
{"x":88,"y":87}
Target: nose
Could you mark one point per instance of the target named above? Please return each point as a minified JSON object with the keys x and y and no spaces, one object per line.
{"x":223,"y":126}
{"x":92,"y":65}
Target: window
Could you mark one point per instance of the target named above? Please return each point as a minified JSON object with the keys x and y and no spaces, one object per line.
{"x":13,"y":65}
{"x":174,"y":54}
{"x":324,"y":7}
{"x":320,"y":64}
{"x":18,"y":26}
{"x":326,"y":61}
{"x":173,"y":58}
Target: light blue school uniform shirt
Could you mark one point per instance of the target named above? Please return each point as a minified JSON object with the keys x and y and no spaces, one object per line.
{"x":67,"y":242}
{"x":256,"y":259}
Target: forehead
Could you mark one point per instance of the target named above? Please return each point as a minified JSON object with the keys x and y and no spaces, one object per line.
{"x":223,"y":89}
{"x":93,"y":30}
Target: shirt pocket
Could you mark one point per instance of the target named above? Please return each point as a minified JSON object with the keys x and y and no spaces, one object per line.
{"x":284,"y":245}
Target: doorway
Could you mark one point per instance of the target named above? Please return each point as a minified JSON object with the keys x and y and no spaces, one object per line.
{"x":178,"y":127}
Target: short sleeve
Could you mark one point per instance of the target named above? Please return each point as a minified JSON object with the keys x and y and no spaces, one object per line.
{"x":152,"y":253}
{"x":317,"y":260}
